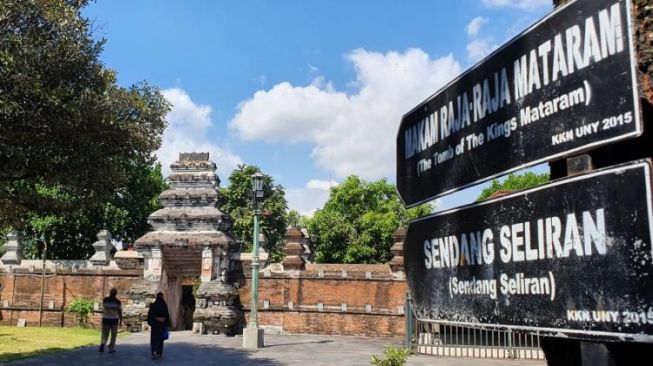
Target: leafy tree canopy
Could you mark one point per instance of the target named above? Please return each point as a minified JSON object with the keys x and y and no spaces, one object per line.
{"x":70,"y":134}
{"x":357,"y":222}
{"x":236,"y":201}
{"x":296,"y":219}
{"x":124,"y":214}
{"x":514,"y":182}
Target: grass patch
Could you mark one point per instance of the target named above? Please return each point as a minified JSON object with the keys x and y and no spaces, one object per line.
{"x":17,"y":343}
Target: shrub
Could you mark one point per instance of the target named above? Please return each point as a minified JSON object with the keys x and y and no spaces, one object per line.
{"x":82,"y":308}
{"x":393,"y":357}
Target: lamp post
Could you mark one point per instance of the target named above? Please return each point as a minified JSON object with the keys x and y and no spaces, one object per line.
{"x":252,"y":334}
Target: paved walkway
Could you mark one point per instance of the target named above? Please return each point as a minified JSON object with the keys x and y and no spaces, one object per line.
{"x":185,"y":348}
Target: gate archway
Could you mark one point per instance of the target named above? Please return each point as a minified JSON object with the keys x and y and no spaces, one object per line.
{"x":190,"y":240}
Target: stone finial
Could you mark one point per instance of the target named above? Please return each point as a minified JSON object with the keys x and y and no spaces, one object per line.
{"x":194,"y":156}
{"x":293,"y":250}
{"x":103,"y":248}
{"x":397,"y":249}
{"x":14,"y":247}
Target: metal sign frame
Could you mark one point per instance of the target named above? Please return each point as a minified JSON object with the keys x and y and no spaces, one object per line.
{"x":583,"y":333}
{"x":409,"y":182}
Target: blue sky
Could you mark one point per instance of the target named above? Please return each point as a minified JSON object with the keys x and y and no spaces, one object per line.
{"x":310,"y":91}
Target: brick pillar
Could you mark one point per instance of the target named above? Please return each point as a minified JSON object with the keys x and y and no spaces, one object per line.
{"x":293,"y":250}
{"x":397,"y":249}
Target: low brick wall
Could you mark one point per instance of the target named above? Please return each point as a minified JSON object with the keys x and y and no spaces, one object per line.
{"x":324,"y":299}
{"x":20,"y":294}
{"x":331,"y":299}
{"x":345,"y":323}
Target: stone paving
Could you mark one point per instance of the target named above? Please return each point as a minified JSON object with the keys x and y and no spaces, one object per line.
{"x":185,"y":348}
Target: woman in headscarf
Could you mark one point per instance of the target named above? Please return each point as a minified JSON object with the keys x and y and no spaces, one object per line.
{"x":158,"y":318}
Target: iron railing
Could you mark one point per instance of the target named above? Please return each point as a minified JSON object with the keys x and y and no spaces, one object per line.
{"x":441,"y":339}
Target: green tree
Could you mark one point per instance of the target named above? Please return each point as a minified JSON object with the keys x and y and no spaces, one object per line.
{"x":295,"y":219}
{"x":236,"y":201}
{"x":125,"y":215}
{"x":68,"y":129}
{"x":357,"y":222}
{"x":514,"y":182}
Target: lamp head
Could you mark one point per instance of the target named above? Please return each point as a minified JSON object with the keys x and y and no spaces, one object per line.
{"x":257,"y":185}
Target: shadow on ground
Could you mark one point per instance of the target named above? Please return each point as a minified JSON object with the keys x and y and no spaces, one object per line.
{"x":22,"y":355}
{"x":188,"y":349}
{"x":297,"y":343}
{"x":178,"y":353}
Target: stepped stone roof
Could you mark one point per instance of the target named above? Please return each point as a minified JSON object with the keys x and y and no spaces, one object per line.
{"x":184,"y":238}
{"x":189,"y":192}
{"x":187,"y":213}
{"x":193,"y":165}
{"x":190,"y":216}
{"x":199,"y":176}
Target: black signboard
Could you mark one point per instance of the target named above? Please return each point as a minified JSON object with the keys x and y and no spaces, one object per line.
{"x":564,"y":85}
{"x":572,"y":256}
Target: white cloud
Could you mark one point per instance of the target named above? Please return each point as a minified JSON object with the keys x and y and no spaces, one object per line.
{"x":324,"y":185}
{"x":311,"y":197}
{"x":479,"y":48}
{"x":474,"y":26}
{"x":352,"y":133}
{"x":185,"y":112}
{"x":188,"y":124}
{"x":306,"y":200}
{"x":521,"y":4}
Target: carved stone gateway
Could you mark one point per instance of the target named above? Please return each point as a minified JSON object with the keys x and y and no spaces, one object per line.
{"x":190,"y":239}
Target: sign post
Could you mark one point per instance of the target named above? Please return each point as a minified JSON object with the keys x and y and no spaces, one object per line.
{"x":563,"y":86}
{"x":581,"y":263}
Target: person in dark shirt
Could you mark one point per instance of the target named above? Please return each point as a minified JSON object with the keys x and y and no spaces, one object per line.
{"x":158,"y":318}
{"x":188,"y":306}
{"x":111,"y":319}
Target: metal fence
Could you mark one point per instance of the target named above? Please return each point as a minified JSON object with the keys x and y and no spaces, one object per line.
{"x":440,"y":339}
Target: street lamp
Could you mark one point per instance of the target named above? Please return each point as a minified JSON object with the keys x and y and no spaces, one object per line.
{"x":252,"y":334}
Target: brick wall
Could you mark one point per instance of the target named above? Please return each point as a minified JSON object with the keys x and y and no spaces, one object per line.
{"x":309,"y":301}
{"x":20,"y":294}
{"x":331,"y":301}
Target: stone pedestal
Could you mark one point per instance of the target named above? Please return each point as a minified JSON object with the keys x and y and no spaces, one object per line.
{"x":103,"y":248}
{"x":14,"y":247}
{"x":129,"y":259}
{"x":216,"y":308}
{"x":141,"y":295}
{"x":252,"y":338}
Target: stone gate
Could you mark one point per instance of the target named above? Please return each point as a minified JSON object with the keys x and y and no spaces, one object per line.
{"x":190,"y":246}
